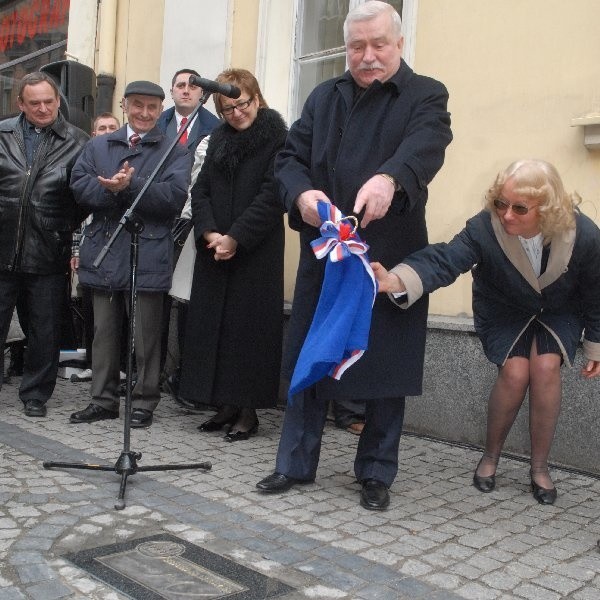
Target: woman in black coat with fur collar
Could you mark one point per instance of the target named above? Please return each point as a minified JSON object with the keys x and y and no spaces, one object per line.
{"x":232,"y":351}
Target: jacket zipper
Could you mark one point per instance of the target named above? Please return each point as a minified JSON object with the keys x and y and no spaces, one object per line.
{"x":25,"y":194}
{"x":22,"y":210}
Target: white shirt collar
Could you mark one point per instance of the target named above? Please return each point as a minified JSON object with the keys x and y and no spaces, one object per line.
{"x":178,"y":118}
{"x":130,"y":132}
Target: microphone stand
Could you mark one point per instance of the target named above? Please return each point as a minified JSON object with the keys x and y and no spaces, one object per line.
{"x":126,"y":464}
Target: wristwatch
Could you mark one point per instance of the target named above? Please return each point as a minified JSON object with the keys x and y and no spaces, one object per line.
{"x":390,"y":178}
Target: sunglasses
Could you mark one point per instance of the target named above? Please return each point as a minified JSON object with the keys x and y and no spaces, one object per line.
{"x":518,"y":209}
{"x":227,"y":110}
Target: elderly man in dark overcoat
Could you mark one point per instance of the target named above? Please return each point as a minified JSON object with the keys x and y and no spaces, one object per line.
{"x":106,"y":179}
{"x":369,"y":142}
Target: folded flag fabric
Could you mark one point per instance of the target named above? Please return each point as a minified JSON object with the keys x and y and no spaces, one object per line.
{"x":339,"y":333}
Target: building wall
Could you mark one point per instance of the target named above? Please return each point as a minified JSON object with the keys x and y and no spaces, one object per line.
{"x":196,"y":34}
{"x":138,"y":44}
{"x":244,"y":35}
{"x":457,"y":381}
{"x":82,"y":31}
{"x":517,"y":73}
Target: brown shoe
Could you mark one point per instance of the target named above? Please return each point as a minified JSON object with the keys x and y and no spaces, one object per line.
{"x":355,"y":428}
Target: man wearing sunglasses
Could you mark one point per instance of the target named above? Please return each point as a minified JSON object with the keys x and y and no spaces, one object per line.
{"x":536,"y":288}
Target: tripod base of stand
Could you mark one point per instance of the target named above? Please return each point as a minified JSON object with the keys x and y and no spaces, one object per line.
{"x":126,"y":465}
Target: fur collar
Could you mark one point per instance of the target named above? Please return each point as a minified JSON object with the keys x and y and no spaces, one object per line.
{"x":230,"y":147}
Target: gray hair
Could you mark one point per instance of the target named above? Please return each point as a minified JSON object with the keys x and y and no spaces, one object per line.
{"x":369,"y":10}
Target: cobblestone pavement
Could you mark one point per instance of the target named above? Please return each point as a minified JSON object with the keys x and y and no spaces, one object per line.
{"x":440,"y":539}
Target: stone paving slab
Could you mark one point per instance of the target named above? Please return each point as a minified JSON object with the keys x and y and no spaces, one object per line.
{"x":440,"y":539}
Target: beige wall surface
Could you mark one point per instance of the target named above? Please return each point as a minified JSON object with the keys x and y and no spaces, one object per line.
{"x":244,"y":34}
{"x":82,"y":31}
{"x":196,"y":35}
{"x":138,"y":46}
{"x":517,"y":73}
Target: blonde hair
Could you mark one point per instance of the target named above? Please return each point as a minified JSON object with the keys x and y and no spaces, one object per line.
{"x":539,"y":180}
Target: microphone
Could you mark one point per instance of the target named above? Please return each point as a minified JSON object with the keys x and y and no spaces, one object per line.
{"x":208,"y":85}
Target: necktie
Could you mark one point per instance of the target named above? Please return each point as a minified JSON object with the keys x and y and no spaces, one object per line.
{"x":183,"y":138}
{"x":134,"y":140}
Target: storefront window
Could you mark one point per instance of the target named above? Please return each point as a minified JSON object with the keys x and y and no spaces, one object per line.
{"x":33,"y":33}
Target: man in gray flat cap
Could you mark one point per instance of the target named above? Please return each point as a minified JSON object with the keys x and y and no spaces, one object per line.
{"x":106,"y":179}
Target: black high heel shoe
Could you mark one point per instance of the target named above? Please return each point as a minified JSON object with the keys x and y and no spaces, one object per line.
{"x":237,"y":436}
{"x":226,"y":416}
{"x":542,"y":495}
{"x":484,"y":484}
{"x":488,"y":483}
{"x":211,"y":425}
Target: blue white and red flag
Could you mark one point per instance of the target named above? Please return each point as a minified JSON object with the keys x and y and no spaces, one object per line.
{"x":339,"y":333}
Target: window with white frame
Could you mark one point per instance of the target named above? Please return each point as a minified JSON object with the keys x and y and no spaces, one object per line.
{"x":319,"y":52}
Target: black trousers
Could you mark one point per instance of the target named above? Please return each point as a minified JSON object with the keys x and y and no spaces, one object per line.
{"x":377,"y":452}
{"x":44,"y":297}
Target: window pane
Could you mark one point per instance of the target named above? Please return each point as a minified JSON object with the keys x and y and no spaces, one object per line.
{"x":27,"y":28}
{"x":322,"y":25}
{"x":311,"y":74}
{"x":397,"y":4}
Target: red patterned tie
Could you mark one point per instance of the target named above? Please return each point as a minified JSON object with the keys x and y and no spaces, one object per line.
{"x":183,"y":138}
{"x":134,"y":140}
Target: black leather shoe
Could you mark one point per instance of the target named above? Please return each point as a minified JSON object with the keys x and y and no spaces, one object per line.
{"x":211,"y":425}
{"x":484,"y":484}
{"x":140,"y":417}
{"x":543,"y":495}
{"x":278,"y":482}
{"x":236,"y":436}
{"x":35,"y":408}
{"x":374,"y":495}
{"x":93,"y":413}
{"x":226,"y":416}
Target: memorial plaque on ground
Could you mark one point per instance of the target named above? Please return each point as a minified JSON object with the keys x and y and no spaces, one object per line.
{"x":165,"y":567}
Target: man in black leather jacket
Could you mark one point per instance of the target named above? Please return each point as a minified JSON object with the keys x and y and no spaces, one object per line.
{"x":37,"y":216}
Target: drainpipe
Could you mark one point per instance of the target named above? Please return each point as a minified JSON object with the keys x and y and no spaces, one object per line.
{"x":107,"y":34}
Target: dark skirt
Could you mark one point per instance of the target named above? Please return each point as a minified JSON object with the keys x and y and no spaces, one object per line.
{"x":546,"y":344}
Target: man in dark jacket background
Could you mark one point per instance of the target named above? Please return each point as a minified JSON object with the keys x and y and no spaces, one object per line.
{"x":369,"y":142}
{"x":37,"y":217}
{"x":186,"y":97}
{"x":106,"y":179}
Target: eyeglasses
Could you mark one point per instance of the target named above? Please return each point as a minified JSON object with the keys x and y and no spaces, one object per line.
{"x":227,"y":110}
{"x":518,"y":209}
